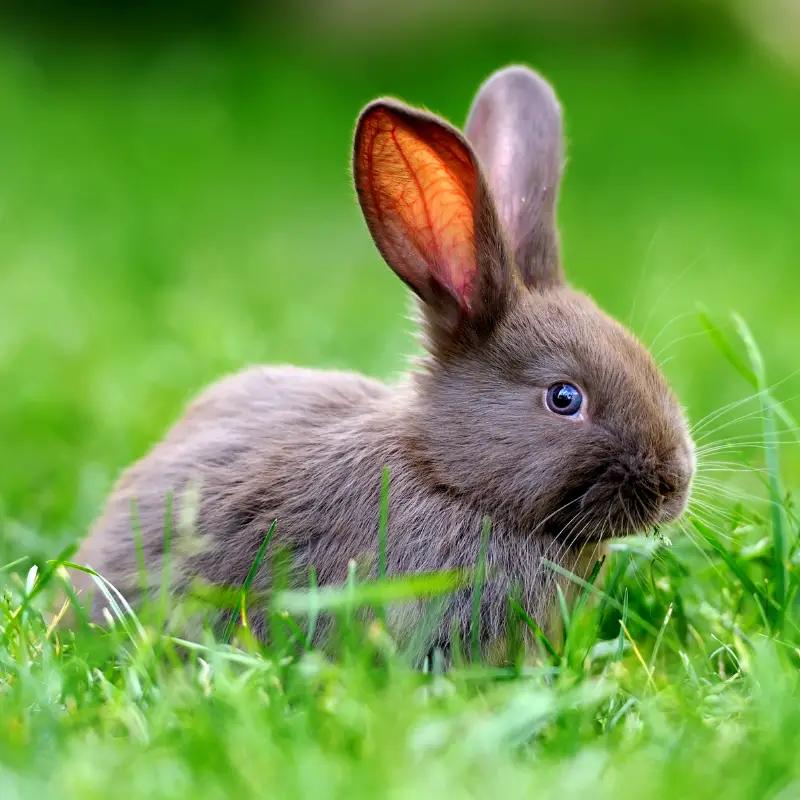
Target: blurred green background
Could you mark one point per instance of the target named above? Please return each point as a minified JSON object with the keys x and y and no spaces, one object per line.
{"x":175,"y":200}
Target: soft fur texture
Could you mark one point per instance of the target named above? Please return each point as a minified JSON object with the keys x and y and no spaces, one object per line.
{"x":469,"y":225}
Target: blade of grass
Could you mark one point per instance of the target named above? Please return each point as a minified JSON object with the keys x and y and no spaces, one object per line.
{"x":54,"y":623}
{"x":226,"y":653}
{"x":781,"y":545}
{"x":759,"y":372}
{"x":12,"y":565}
{"x":279,"y":581}
{"x":119,"y":605}
{"x":393,"y":590}
{"x":562,"y":606}
{"x":477,"y":595}
{"x":755,"y":375}
{"x":537,"y":631}
{"x":295,"y":630}
{"x":138,"y":541}
{"x":426,"y":631}
{"x":514,"y":645}
{"x":600,"y":593}
{"x":622,"y":629}
{"x":661,"y":632}
{"x":313,"y":612}
{"x":80,"y":611}
{"x":732,"y":563}
{"x":598,"y":565}
{"x":383,"y":524}
{"x":620,"y":562}
{"x":639,"y":656}
{"x":345,"y":615}
{"x":456,"y":647}
{"x":248,"y":581}
{"x":166,"y":560}
{"x":61,"y":559}
{"x":722,"y":344}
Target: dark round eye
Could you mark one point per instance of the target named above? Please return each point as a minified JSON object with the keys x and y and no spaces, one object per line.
{"x":564,"y":399}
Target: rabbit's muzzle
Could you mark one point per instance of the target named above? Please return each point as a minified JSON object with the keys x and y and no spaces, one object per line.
{"x":637,"y":492}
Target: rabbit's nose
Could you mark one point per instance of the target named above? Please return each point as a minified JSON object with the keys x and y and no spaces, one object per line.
{"x":674,"y":484}
{"x":678,"y":472}
{"x":668,"y":487}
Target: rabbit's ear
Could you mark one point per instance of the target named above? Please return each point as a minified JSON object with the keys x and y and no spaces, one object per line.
{"x":431,"y":215}
{"x":515,"y":125}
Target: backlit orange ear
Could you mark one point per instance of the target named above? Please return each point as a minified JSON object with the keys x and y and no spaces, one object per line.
{"x":418,"y":185}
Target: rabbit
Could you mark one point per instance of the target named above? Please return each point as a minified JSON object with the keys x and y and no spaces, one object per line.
{"x":530,"y":406}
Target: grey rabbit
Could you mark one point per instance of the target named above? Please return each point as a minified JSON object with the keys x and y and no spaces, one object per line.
{"x":530,"y":406}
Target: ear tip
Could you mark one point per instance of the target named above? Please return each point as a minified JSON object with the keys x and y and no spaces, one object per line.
{"x":520,"y":73}
{"x":522,"y":80}
{"x":385,"y":106}
{"x":387,"y":113}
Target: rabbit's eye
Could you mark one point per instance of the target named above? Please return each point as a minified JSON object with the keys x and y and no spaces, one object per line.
{"x":564,"y":399}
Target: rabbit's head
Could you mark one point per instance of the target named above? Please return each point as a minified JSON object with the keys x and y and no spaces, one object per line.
{"x":532,"y":401}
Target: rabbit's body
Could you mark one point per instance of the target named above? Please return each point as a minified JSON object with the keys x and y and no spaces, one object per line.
{"x":532,"y":407}
{"x":247,"y":454}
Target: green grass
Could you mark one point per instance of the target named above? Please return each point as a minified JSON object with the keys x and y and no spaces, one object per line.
{"x":675,"y":679}
{"x":169,"y":215}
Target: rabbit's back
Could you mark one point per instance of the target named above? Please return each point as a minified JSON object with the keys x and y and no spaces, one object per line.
{"x":236,"y":445}
{"x":249,"y":401}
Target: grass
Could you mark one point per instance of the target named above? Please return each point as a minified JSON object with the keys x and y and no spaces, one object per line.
{"x":675,"y":678}
{"x":170,"y":215}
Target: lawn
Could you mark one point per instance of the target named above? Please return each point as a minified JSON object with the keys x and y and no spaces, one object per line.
{"x":169,"y":214}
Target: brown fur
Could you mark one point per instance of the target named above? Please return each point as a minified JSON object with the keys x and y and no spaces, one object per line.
{"x":465,"y":434}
